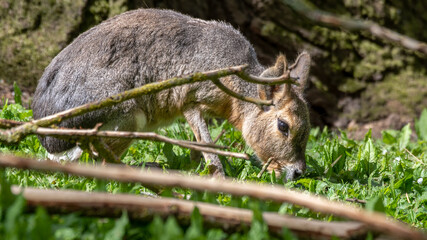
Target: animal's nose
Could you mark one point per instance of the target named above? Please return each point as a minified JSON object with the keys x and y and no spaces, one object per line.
{"x":297,"y":173}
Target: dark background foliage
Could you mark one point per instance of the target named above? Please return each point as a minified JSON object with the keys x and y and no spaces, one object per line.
{"x":357,"y":80}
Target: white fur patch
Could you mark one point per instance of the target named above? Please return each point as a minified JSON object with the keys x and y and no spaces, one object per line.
{"x":70,"y":155}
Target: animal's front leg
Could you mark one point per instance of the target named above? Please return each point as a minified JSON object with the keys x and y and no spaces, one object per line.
{"x":198,"y":124}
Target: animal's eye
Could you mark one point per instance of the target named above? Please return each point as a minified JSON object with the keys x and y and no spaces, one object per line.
{"x":283,"y":127}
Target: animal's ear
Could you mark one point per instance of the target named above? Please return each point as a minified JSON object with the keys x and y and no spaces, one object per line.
{"x":300,"y":70}
{"x":266,"y":92}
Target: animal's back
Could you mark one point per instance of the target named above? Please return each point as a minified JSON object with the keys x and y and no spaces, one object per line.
{"x":129,"y":51}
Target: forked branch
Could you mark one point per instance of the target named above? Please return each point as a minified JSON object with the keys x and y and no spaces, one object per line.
{"x":239,"y":96}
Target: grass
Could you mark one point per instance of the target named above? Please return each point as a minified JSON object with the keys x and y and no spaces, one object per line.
{"x":389,"y":173}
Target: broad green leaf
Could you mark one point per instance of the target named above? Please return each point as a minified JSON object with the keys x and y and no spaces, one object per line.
{"x":388,"y":138}
{"x":288,"y":235}
{"x":12,"y":222}
{"x":216,"y":234}
{"x":195,"y":231}
{"x":404,"y":137}
{"x":172,"y":230}
{"x":42,"y":228}
{"x":369,"y":151}
{"x":6,"y":196}
{"x":17,"y":94}
{"x":156,"y":228}
{"x":119,"y":230}
{"x":368,"y":135}
{"x":375,"y":204}
{"x":421,"y":125}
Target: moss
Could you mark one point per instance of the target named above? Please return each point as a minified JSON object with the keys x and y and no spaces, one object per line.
{"x":404,"y":93}
{"x":33,"y":32}
{"x":278,"y":34}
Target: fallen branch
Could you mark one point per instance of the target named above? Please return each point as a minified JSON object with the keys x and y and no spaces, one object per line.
{"x":144,"y":208}
{"x":356,"y":25}
{"x":75,"y":134}
{"x":374,"y":220}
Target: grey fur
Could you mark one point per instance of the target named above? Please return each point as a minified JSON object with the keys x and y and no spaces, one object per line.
{"x":139,"y":47}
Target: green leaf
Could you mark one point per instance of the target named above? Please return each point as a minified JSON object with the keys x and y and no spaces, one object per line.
{"x":369,"y":151}
{"x":375,"y":204}
{"x":195,"y":231}
{"x":42,"y":229}
{"x":156,"y":228}
{"x":388,"y":138}
{"x":421,"y":125}
{"x":172,"y":230}
{"x":119,"y":230}
{"x":368,"y":135}
{"x":404,"y":137}
{"x":216,"y":234}
{"x":288,"y":235}
{"x":6,"y":196}
{"x":12,"y":222}
{"x":17,"y":94}
{"x":259,"y":230}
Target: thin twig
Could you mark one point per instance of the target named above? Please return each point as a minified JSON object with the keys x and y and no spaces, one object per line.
{"x":265,"y":167}
{"x":143,"y":208}
{"x":332,"y":165}
{"x":239,"y":96}
{"x":93,"y":133}
{"x":5,"y":123}
{"x":219,"y":136}
{"x":285,"y":78}
{"x":376,"y":30}
{"x":374,"y":220}
{"x":419,"y":160}
{"x":105,"y":151}
{"x":355,"y":200}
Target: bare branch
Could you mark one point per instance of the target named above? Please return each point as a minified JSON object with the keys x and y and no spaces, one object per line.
{"x":376,"y":30}
{"x":355,"y":200}
{"x":239,"y":96}
{"x":265,"y":167}
{"x":219,"y":137}
{"x":417,"y":159}
{"x":93,"y":133}
{"x":285,"y":78}
{"x":105,"y":151}
{"x":144,"y":208}
{"x":14,"y":135}
{"x":374,"y":220}
{"x":5,"y":123}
